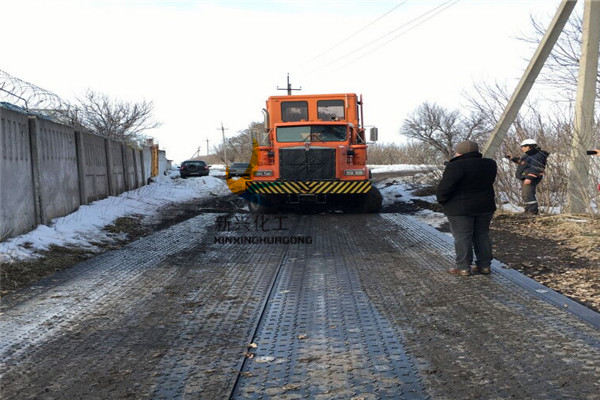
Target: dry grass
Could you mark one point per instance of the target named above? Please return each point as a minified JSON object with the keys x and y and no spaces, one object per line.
{"x":559,"y":251}
{"x":580,"y":233}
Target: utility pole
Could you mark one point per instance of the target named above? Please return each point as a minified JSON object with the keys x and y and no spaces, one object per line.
{"x":207,"y":147}
{"x":289,"y":86}
{"x":197,"y":153}
{"x":579,"y":166}
{"x":224,"y":143}
{"x":533,"y":69}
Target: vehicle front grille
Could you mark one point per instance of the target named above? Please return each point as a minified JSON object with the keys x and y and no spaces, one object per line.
{"x":302,"y":164}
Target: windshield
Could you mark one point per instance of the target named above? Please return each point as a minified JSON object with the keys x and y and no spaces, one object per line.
{"x":311,"y":133}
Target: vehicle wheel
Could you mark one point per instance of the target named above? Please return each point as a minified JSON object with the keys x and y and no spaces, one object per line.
{"x":260,"y":205}
{"x":373,"y":200}
{"x":183,"y":176}
{"x":256,"y":208}
{"x":353,"y":205}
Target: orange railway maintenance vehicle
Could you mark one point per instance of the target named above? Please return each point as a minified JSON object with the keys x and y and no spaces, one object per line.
{"x":313,"y":151}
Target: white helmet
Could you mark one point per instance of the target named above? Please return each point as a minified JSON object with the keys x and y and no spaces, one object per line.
{"x":528,"y":142}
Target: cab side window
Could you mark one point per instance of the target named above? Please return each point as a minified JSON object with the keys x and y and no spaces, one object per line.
{"x":293,"y":111}
{"x":330,"y":110}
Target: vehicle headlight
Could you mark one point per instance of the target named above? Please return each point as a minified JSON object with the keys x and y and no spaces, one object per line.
{"x":263,"y":172}
{"x":354,"y":172}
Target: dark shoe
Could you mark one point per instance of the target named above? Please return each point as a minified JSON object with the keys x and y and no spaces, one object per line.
{"x":485,"y":270}
{"x":475,"y":269}
{"x":459,"y":271}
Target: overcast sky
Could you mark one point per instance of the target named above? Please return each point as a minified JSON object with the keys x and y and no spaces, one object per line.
{"x":205,"y":62}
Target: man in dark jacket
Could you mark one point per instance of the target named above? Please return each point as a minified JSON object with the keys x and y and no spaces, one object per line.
{"x":466,"y":192}
{"x":530,"y":170}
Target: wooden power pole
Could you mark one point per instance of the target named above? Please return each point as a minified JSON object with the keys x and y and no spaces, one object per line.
{"x":289,"y":86}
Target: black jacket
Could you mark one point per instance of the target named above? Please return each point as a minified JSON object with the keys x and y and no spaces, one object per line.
{"x":533,"y":162}
{"x":467,"y":186}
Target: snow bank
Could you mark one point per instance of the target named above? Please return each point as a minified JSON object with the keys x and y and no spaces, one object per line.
{"x":84,"y":226}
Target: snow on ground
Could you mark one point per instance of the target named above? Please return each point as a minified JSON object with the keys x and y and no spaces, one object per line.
{"x":85,"y":226}
{"x":377,"y":169}
{"x":398,"y":190}
{"x":432,"y":218}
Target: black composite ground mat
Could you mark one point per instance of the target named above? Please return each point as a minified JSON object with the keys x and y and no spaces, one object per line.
{"x":479,"y":337}
{"x":169,"y":316}
{"x":215,"y":330}
{"x":320,"y":336}
{"x":331,"y":306}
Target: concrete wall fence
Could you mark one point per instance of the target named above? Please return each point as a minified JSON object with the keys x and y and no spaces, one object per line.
{"x":47,"y":170}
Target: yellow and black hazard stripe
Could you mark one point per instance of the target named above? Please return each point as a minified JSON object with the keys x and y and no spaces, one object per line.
{"x":309,"y":187}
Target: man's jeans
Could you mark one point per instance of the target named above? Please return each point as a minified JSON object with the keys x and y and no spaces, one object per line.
{"x":528,"y":192}
{"x":472,"y":233}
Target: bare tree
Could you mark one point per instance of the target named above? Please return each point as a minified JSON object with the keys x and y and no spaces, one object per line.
{"x":119,"y":120}
{"x":548,"y":119}
{"x":239,"y":147}
{"x":562,"y":66}
{"x":414,"y":152}
{"x":551,"y":125}
{"x":443,"y":129}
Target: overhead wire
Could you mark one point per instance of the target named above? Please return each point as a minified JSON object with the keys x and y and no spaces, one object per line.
{"x":355,"y":33}
{"x":399,"y":35}
{"x":436,"y":10}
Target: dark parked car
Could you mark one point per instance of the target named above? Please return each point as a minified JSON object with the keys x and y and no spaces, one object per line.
{"x":193,"y":168}
{"x":239,"y":169}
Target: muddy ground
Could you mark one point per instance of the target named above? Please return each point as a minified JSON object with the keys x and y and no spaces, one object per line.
{"x":559,"y":251}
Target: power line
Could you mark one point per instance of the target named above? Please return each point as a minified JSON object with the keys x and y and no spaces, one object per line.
{"x":387,"y":34}
{"x":399,"y":35}
{"x":433,"y":10}
{"x":355,"y":33}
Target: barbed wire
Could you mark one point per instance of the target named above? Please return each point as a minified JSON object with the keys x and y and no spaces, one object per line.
{"x":32,"y":97}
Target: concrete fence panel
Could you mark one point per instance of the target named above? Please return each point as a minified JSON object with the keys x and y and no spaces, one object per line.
{"x":57,"y":166}
{"x":162,"y":162}
{"x":129,"y":168}
{"x":116,"y":173}
{"x":47,"y":170}
{"x":147,"y":163}
{"x":95,"y":168}
{"x":17,"y":208}
{"x":139,"y":169}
